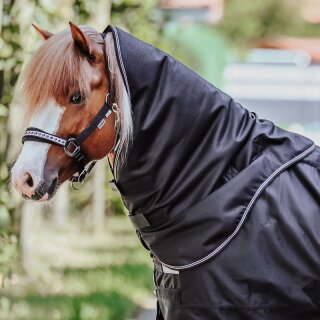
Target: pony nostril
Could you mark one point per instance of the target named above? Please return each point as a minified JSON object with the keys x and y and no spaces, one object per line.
{"x":29,"y":181}
{"x":26,"y":184}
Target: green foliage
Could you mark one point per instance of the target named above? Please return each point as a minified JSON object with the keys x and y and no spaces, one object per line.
{"x":105,"y":280}
{"x":141,"y":18}
{"x":206,"y":49}
{"x":5,"y":220}
{"x":11,"y":58}
{"x":8,"y":253}
{"x":81,"y":10}
{"x":10,"y":65}
{"x":247,"y":22}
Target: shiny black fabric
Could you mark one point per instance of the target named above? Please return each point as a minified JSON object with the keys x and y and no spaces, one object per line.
{"x":232,"y":200}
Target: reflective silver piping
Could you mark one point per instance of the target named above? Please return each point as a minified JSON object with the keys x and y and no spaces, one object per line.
{"x":128,"y":91}
{"x":121,"y":61}
{"x":251,"y":203}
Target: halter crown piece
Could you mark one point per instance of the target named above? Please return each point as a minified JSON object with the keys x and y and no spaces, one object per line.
{"x":72,"y":145}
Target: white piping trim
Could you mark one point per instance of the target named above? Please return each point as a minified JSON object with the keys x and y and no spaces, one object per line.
{"x":121,"y":61}
{"x":126,"y":95}
{"x":244,"y":216}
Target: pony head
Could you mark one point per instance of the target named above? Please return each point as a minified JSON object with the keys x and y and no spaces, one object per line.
{"x":62,"y":89}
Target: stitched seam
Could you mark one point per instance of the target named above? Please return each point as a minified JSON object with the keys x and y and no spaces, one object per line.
{"x":244,"y":216}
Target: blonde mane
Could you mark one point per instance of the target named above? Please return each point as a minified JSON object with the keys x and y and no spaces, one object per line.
{"x":125,"y":123}
{"x":57,"y":70}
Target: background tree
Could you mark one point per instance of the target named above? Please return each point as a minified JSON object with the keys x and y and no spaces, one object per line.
{"x":18,"y":41}
{"x":246,"y":22}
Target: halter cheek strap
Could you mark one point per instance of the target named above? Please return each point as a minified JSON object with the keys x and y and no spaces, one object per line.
{"x":72,"y":145}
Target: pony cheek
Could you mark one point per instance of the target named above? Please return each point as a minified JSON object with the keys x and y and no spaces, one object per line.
{"x":66,"y":173}
{"x":94,"y":152}
{"x":101,"y":142}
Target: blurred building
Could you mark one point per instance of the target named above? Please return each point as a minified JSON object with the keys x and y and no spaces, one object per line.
{"x":209,"y":11}
{"x":308,"y":45}
{"x":193,"y":19}
{"x":311,"y":10}
{"x":279,"y":79}
{"x":280,"y":85}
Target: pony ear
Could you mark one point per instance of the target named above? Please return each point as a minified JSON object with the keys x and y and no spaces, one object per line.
{"x":83,"y":42}
{"x":43,"y":33}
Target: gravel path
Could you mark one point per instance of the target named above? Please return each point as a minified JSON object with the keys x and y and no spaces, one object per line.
{"x":147,"y":314}
{"x":148,"y":310}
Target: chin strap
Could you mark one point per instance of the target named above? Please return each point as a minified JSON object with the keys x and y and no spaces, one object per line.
{"x":72,"y":145}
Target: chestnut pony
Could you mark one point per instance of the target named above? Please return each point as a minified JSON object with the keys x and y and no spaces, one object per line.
{"x":77,"y":108}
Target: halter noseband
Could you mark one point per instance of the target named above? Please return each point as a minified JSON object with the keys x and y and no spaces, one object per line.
{"x":72,"y":145}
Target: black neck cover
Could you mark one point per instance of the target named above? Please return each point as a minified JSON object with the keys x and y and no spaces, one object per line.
{"x":190,"y":140}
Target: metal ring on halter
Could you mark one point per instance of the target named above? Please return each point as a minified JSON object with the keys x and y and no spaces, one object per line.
{"x":76,"y":184}
{"x":115,"y":108}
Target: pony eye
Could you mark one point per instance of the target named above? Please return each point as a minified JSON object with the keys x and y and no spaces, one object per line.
{"x":77,"y":98}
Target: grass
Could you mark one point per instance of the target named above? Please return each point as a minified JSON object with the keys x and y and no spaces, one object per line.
{"x":80,"y":276}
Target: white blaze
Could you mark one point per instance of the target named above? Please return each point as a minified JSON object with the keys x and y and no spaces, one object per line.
{"x":33,"y":156}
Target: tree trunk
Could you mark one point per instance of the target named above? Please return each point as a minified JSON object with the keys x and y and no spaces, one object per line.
{"x":100,"y":15}
{"x":1,"y":10}
{"x":29,"y":211}
{"x":61,"y":206}
{"x":30,"y":215}
{"x":99,"y":20}
{"x":98,"y":197}
{"x":61,"y":203}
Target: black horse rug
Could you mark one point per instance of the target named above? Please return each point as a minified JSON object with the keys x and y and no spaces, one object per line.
{"x":228,"y":204}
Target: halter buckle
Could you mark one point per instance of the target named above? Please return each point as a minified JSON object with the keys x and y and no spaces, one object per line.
{"x":72,"y":147}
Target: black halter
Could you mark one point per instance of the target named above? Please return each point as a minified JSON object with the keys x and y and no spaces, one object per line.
{"x":72,"y":145}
